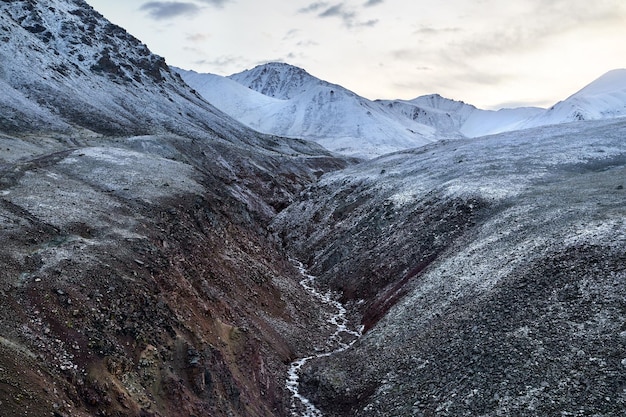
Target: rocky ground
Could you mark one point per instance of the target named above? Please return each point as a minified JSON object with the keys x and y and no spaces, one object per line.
{"x":138,"y":282}
{"x":137,"y":275}
{"x":148,"y":246}
{"x":490,"y":274}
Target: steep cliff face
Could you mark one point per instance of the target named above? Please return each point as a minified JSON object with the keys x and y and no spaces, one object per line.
{"x":138,"y":277}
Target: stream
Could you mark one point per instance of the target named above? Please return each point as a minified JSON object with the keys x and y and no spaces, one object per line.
{"x":301,"y":406}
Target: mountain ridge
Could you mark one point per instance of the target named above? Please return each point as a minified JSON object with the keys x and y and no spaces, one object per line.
{"x":278,"y":80}
{"x":417,"y":122}
{"x":603,"y":98}
{"x":316,"y":110}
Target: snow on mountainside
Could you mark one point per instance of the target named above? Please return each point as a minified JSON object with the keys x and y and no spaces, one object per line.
{"x":64,"y":66}
{"x":451,"y":117}
{"x":290,"y":102}
{"x":285,"y":100}
{"x":604,"y":98}
{"x":278,"y":80}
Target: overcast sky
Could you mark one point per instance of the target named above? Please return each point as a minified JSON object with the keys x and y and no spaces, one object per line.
{"x":490,"y":53}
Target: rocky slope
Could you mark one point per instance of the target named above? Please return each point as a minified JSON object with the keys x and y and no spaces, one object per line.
{"x":489,"y":272}
{"x":145,"y":244}
{"x":138,"y":277}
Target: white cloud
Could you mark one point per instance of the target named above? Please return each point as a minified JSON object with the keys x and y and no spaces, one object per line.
{"x":161,"y":10}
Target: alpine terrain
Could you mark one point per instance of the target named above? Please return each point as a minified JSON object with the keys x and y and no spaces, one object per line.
{"x":138,"y":276}
{"x":285,"y":100}
{"x":300,"y":251}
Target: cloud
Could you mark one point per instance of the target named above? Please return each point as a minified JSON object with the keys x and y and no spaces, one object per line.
{"x":216,"y":3}
{"x":348,"y":17}
{"x":429,"y":30}
{"x":307,"y":43}
{"x":313,"y":7}
{"x":161,"y":10}
{"x":405,"y":54}
{"x":224,"y":62}
{"x":371,"y":3}
{"x":336,"y":10}
{"x":346,"y":14}
{"x":198,"y":37}
{"x":369,"y":23}
{"x":542,"y":21}
{"x":292,"y":33}
{"x":445,"y":81}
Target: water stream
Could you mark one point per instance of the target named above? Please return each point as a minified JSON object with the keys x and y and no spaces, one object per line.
{"x":342,"y":338}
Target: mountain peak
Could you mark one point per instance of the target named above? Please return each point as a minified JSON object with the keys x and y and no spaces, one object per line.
{"x":70,"y":67}
{"x":603,"y":98}
{"x":438,"y":102}
{"x":612,"y":81}
{"x":277,"y":79}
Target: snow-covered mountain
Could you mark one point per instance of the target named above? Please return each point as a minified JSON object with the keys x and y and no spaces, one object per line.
{"x":99,"y":77}
{"x":285,"y":100}
{"x":64,"y":67}
{"x":451,"y":117}
{"x":604,"y":98}
{"x":278,"y":80}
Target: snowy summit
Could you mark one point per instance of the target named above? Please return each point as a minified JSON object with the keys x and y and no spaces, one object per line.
{"x":284,"y":100}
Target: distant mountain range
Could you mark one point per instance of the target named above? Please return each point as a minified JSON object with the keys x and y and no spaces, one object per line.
{"x":285,"y":100}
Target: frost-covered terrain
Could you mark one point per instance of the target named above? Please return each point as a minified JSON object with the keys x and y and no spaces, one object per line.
{"x":138,"y":277}
{"x":147,"y":239}
{"x":285,"y":100}
{"x":490,"y":272}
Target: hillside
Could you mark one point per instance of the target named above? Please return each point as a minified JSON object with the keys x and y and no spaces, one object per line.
{"x":138,"y":277}
{"x":489,"y":274}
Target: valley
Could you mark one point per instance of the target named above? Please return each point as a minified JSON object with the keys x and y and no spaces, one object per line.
{"x":455,"y":262}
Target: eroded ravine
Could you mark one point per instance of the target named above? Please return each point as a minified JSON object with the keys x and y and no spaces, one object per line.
{"x":342,"y":338}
